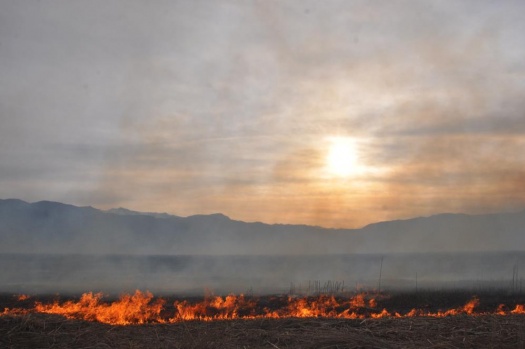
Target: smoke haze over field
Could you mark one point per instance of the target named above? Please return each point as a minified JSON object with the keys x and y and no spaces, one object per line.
{"x":199,"y":107}
{"x":52,"y":247}
{"x":196,"y":275}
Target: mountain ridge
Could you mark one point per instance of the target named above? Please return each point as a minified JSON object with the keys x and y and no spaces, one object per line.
{"x":54,"y":227}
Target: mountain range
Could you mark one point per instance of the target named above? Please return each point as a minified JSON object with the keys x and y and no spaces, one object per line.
{"x":47,"y":227}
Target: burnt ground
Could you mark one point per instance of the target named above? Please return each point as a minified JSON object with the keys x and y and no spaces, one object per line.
{"x":49,"y":331}
{"x":462,"y":331}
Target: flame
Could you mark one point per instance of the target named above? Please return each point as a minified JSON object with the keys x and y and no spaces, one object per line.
{"x":14,"y":311}
{"x":22,"y":297}
{"x":215,"y":308}
{"x":383,"y":313}
{"x":501,"y":309}
{"x":321,"y":306}
{"x":520,"y":309}
{"x":143,"y":307}
{"x":470,"y":306}
{"x":129,"y":309}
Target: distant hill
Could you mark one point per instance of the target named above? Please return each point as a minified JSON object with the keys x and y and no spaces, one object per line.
{"x":126,"y":212}
{"x":53,"y":227}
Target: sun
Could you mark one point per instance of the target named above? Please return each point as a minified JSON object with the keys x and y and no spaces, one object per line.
{"x":342,"y":157}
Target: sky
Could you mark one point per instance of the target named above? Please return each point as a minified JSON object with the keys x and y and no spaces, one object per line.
{"x":329,"y":113}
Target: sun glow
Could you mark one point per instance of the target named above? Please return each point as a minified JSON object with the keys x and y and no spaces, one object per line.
{"x":342,"y":158}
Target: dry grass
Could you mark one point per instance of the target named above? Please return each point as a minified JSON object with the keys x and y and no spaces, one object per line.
{"x":48,"y":331}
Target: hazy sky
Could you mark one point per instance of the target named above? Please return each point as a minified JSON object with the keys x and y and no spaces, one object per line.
{"x":194,"y":107}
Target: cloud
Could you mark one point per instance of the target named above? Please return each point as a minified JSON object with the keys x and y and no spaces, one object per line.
{"x":192,"y":107}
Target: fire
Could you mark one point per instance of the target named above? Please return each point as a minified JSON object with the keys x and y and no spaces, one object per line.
{"x":322,"y":306}
{"x":520,"y":309}
{"x":215,"y":308}
{"x":501,"y":309}
{"x":143,"y":307}
{"x":129,"y":309}
{"x":22,"y":297}
{"x":468,"y":309}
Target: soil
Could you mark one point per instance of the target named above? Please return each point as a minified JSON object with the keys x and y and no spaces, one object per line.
{"x":49,"y":331}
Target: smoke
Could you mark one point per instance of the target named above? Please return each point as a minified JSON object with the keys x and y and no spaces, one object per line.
{"x":199,"y":108}
{"x":195,"y":108}
{"x":51,"y":247}
{"x":198,"y":275}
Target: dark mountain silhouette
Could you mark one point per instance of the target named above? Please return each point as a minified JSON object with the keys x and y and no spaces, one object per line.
{"x":53,"y":227}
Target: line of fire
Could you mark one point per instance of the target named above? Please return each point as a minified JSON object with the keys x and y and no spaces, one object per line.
{"x":145,"y":308}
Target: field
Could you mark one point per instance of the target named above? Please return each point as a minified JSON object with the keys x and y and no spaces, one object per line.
{"x":51,"y":331}
{"x":40,"y":274}
{"x":431,"y":301}
{"x":483,"y":328}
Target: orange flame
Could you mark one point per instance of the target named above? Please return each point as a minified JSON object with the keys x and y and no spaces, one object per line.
{"x":141,"y":308}
{"x":520,"y":309}
{"x":215,"y":308}
{"x":22,"y":297}
{"x":129,"y":309}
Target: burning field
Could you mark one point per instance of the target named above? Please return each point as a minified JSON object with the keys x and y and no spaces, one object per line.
{"x":425,"y":319}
